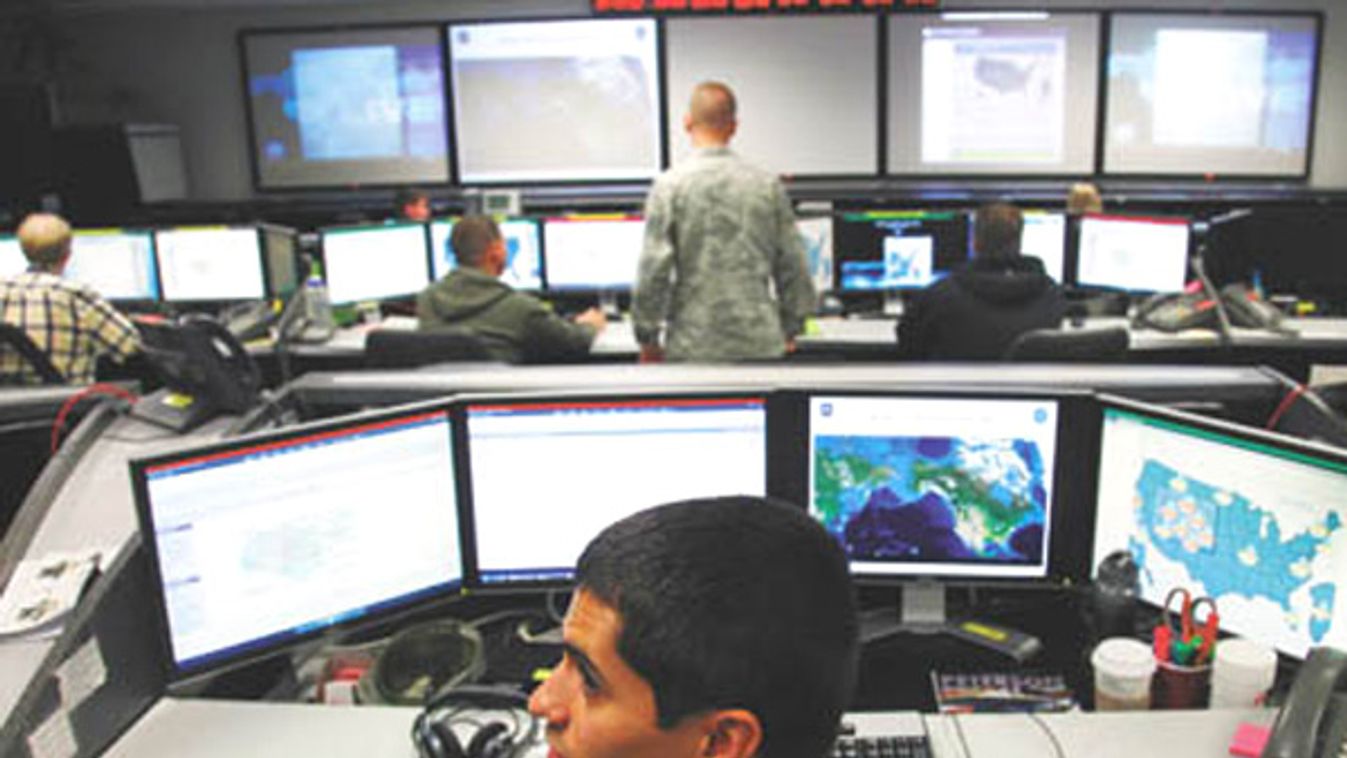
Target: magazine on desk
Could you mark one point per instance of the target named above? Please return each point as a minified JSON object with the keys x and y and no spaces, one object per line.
{"x":1001,"y":692}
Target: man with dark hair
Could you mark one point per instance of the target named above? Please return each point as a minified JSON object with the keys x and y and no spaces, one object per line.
{"x":975,"y":313}
{"x":719,"y":628}
{"x":513,"y":326}
{"x":722,"y":273}
{"x":412,"y":204}
{"x":68,"y":321}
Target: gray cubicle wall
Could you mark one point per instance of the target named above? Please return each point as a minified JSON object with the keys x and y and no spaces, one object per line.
{"x":175,"y":61}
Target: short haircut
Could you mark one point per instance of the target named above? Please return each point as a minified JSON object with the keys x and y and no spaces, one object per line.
{"x":713,"y":105}
{"x":735,"y":602}
{"x":45,"y":239}
{"x":471,"y":237}
{"x":997,"y":230}
{"x":1083,"y":197}
{"x":408,"y":195}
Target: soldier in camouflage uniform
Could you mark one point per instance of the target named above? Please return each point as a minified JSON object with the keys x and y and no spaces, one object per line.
{"x":722,"y":264}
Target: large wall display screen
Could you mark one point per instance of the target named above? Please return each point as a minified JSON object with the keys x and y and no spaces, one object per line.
{"x":1218,"y":94}
{"x":349,"y":107}
{"x":992,"y":93}
{"x":556,"y":100}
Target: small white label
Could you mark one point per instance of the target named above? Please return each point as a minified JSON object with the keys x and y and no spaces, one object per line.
{"x":81,"y":674}
{"x":54,"y":738}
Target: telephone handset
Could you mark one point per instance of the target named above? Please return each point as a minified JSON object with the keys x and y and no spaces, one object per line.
{"x":1197,"y":310}
{"x":205,"y":368}
{"x":1313,"y":720}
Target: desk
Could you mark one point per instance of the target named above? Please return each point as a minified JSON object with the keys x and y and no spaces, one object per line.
{"x":211,"y":729}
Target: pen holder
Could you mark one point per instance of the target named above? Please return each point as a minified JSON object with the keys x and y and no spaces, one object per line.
{"x":1176,"y":686}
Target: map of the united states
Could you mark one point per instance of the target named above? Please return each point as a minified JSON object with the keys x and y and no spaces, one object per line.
{"x":1230,"y":545}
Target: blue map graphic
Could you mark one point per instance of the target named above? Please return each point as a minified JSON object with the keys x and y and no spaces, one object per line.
{"x":1231,"y":546}
{"x":932,"y":498}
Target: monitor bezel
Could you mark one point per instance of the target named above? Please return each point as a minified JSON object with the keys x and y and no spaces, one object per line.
{"x":284,"y":642}
{"x":1067,"y":561}
{"x":131,"y":303}
{"x":1206,"y":425}
{"x":206,"y":302}
{"x":560,"y":578}
{"x":841,"y":219}
{"x":427,"y":256}
{"x":589,"y":287}
{"x":1075,"y":233}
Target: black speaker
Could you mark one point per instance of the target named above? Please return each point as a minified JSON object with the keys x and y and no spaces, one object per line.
{"x":433,"y":731}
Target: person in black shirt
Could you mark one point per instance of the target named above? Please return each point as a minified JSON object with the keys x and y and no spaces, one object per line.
{"x":976,"y":312}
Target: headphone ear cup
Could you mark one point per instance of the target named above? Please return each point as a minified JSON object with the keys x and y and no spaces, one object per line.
{"x":491,"y":741}
{"x":448,"y":742}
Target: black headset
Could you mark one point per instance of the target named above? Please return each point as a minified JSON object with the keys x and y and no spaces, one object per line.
{"x":433,"y":734}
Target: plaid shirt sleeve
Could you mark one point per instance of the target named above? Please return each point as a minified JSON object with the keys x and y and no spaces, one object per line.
{"x":108,"y":328}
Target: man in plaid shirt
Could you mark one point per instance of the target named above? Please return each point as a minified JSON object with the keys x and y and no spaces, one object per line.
{"x":68,"y":321}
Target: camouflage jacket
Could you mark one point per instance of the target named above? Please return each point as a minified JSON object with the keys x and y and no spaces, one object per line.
{"x":722,"y":268}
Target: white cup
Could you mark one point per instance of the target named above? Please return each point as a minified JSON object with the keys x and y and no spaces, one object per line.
{"x":1241,"y":673}
{"x":1123,"y":668}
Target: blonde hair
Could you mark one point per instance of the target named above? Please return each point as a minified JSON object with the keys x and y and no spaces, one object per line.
{"x":713,"y":106}
{"x":1084,"y":198}
{"x":45,"y":239}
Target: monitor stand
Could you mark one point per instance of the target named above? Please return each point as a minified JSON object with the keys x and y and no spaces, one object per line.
{"x":921,"y":610}
{"x":893,"y":303}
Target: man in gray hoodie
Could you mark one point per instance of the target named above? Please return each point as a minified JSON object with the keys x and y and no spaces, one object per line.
{"x":514,"y":326}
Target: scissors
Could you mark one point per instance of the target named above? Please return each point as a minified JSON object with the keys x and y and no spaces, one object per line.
{"x":1191,"y":641}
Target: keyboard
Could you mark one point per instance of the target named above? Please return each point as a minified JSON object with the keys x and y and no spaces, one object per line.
{"x":892,"y":734}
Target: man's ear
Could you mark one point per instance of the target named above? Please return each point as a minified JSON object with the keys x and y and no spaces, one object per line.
{"x":731,"y":733}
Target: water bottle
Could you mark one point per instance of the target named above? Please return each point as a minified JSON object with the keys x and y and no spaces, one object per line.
{"x":317,"y":306}
{"x":1116,"y":587}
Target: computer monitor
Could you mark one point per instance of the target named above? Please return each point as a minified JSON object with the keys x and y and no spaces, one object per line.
{"x":879,"y":251}
{"x":12,"y":259}
{"x":592,"y":252}
{"x":281,"y":247}
{"x":1132,"y":253}
{"x":261,"y":542}
{"x":1044,"y":238}
{"x":118,"y":264}
{"x":923,"y":489}
{"x":547,"y":474}
{"x":1250,"y":518}
{"x":523,"y":247}
{"x":365,"y":263}
{"x":817,"y":234}
{"x":210,"y":264}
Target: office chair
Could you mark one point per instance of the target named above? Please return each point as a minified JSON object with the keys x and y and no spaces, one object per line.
{"x":402,"y":348}
{"x":1070,"y":346}
{"x":14,"y":339}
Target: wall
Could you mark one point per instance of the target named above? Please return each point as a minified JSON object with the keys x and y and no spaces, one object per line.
{"x":180,"y":66}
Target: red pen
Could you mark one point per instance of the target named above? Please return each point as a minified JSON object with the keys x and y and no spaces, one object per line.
{"x":1161,"y":642}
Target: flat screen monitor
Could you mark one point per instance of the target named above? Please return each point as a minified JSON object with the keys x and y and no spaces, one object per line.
{"x":260,"y":542}
{"x":118,"y":264}
{"x":1217,"y":94}
{"x":210,"y":263}
{"x":1132,"y":253}
{"x":817,"y":234}
{"x":898,"y":250}
{"x":1044,"y":238}
{"x":592,"y":252}
{"x":365,"y":263}
{"x":992,"y":92}
{"x":556,"y":100}
{"x":927,"y":485}
{"x":12,"y":259}
{"x":281,"y":247}
{"x":341,"y":108}
{"x":1250,"y":518}
{"x":523,"y":248}
{"x":590,"y":462}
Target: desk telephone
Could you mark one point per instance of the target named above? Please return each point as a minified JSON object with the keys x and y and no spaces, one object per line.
{"x":1313,"y":720}
{"x":1196,"y":310}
